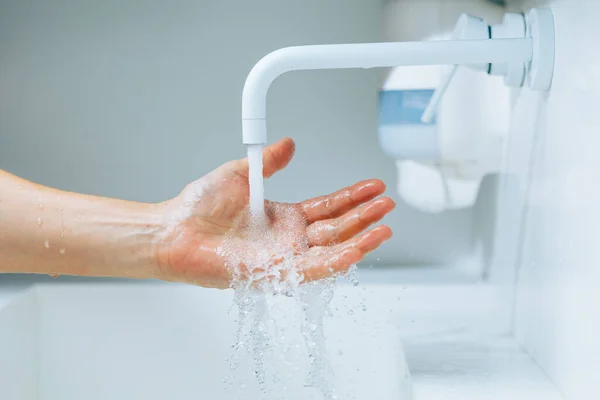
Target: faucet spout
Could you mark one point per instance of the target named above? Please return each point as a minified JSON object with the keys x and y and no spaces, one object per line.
{"x":366,"y":55}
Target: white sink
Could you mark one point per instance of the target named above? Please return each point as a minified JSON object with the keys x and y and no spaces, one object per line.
{"x":138,"y":340}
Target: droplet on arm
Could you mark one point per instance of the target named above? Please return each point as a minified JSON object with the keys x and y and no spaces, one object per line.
{"x":39,"y":221}
{"x":62,"y":251}
{"x":47,"y":244}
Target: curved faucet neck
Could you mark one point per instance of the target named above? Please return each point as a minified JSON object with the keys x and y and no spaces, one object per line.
{"x":366,"y":55}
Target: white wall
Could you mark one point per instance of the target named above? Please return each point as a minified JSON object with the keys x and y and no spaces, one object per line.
{"x":135,"y":99}
{"x":554,"y":235}
{"x":410,"y":20}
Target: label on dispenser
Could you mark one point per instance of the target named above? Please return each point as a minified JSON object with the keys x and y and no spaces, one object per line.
{"x":402,"y":134}
{"x":403,"y":107}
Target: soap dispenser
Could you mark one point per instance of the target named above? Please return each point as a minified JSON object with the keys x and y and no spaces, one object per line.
{"x":445,"y":126}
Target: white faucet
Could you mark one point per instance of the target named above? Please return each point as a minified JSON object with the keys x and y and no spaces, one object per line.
{"x":530,"y":49}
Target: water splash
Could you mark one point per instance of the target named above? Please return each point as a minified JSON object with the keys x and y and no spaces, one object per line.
{"x":276,"y":311}
{"x":315,"y":299}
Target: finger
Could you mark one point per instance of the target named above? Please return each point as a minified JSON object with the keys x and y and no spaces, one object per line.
{"x":336,"y":204}
{"x":369,"y":240}
{"x":275,"y":157}
{"x":338,"y":230}
{"x":336,"y":261}
{"x":341,"y":257}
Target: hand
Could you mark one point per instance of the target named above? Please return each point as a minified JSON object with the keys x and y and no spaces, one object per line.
{"x":208,"y":228}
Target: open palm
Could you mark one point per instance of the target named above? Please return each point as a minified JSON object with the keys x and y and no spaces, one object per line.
{"x":211,"y":214}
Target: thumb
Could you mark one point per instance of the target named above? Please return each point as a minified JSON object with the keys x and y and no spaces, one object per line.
{"x":277,"y":156}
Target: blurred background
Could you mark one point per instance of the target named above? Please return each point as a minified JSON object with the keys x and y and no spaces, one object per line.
{"x":134,"y":99}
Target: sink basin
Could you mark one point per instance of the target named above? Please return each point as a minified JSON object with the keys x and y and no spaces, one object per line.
{"x":144,"y":340}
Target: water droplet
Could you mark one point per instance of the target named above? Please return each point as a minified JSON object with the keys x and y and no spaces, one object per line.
{"x":47,"y":244}
{"x":19,"y":187}
{"x":62,"y":251}
{"x":62,"y":234}
{"x":39,"y":221}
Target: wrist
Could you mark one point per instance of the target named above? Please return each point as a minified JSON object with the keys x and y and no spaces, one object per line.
{"x":113,"y":238}
{"x":144,"y":233}
{"x":169,"y":217}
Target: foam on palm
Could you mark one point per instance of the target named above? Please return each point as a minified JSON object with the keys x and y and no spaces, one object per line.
{"x":275,"y":311}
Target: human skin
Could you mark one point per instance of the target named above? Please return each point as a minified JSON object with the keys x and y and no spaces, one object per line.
{"x":53,"y":232}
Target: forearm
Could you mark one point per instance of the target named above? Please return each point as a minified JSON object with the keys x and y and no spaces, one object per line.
{"x":48,"y":231}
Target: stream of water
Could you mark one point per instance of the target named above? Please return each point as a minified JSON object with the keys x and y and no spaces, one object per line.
{"x":280,"y":336}
{"x":255,"y":179}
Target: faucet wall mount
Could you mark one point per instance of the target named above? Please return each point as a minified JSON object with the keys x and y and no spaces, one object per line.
{"x":520,"y":46}
{"x":540,"y":28}
{"x":539,"y":69}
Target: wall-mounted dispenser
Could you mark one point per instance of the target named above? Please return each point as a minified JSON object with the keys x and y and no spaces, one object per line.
{"x":520,"y":49}
{"x":441,"y":159}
